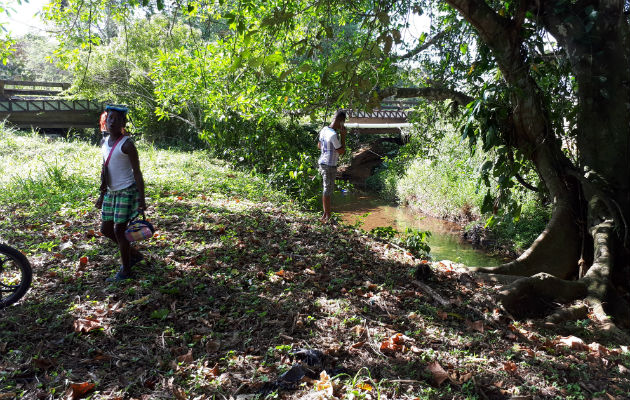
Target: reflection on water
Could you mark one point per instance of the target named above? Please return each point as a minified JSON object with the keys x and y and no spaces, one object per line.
{"x":444,"y":241}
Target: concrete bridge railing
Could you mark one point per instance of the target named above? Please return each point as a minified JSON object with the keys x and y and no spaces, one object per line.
{"x":25,"y":104}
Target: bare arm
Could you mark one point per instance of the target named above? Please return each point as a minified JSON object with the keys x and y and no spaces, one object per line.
{"x":342,"y":134}
{"x":130,"y":149}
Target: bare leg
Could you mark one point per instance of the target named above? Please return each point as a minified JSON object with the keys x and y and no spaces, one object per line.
{"x":107,"y":229}
{"x":326,"y":205}
{"x":124,"y":247}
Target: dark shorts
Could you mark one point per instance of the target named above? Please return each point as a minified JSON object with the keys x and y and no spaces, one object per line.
{"x":120,"y":205}
{"x":328,"y":174}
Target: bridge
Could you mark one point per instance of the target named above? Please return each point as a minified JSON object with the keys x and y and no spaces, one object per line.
{"x":389,"y":118}
{"x":29,"y":104}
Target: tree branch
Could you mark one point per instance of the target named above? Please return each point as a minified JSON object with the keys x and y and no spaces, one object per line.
{"x":523,"y":182}
{"x":421,"y":47}
{"x":429,"y":93}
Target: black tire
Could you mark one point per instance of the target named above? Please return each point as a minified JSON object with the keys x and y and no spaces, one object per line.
{"x":15,"y":275}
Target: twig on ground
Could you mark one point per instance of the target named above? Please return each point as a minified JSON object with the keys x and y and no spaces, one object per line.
{"x":432,"y":293}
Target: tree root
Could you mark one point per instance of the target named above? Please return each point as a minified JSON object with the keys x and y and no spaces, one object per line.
{"x":537,"y":295}
{"x":573,"y":313}
{"x":556,"y":251}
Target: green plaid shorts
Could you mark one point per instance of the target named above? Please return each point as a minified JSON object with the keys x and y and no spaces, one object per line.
{"x":120,"y":205}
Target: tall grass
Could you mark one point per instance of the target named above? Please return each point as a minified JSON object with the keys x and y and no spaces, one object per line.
{"x":44,"y":178}
{"x":436,"y":174}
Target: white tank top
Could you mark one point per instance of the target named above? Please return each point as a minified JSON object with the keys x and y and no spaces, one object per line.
{"x":120,"y":173}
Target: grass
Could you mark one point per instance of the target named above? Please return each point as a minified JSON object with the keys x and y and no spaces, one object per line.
{"x":239,"y":277}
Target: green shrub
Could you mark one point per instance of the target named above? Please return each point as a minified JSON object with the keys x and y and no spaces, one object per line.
{"x":384,"y":232}
{"x":415,"y":241}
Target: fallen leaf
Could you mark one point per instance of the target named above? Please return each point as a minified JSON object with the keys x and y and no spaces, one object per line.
{"x":437,"y":372}
{"x":186,"y":358}
{"x":86,"y":324}
{"x":150,"y":383}
{"x":393,"y":344}
{"x":357,"y":345}
{"x":475,"y":325}
{"x":458,"y":378}
{"x":442,"y":315}
{"x":324,"y":384}
{"x":212,"y":346}
{"x":364,"y":386}
{"x":79,"y":390}
{"x":358,"y":330}
{"x":573,"y":342}
{"x":598,"y":349}
{"x":214,"y":371}
{"x":44,"y":363}
{"x":141,"y":300}
{"x":8,"y":395}
{"x":510,"y":366}
{"x":397,"y":338}
{"x":179,"y":393}
{"x":83,"y":260}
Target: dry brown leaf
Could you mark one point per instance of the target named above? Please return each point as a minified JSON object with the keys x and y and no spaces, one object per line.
{"x":475,"y":325}
{"x":397,"y":338}
{"x":358,"y":345}
{"x":459,"y":378}
{"x":185,"y":358}
{"x":437,"y":372}
{"x":573,"y":342}
{"x":9,"y":395}
{"x":358,"y":330}
{"x":510,"y":367}
{"x":324,"y":384}
{"x":212,"y":346}
{"x":442,"y":315}
{"x":86,"y":324}
{"x":598,"y":349}
{"x":44,"y":363}
{"x":179,"y":393}
{"x":79,"y":390}
{"x":214,"y":371}
{"x":394,"y":343}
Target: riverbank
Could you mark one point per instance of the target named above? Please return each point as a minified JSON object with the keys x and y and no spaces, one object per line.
{"x":240,"y":285}
{"x":367,"y":212}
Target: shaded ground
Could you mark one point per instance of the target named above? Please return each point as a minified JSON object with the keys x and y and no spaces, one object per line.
{"x":234,"y":284}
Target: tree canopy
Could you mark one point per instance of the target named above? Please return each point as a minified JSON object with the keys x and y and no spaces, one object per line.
{"x":544,"y":85}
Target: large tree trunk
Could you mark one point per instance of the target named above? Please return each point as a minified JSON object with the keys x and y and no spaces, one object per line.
{"x":591,"y":215}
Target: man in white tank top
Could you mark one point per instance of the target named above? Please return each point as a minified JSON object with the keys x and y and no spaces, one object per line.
{"x":124,"y":197}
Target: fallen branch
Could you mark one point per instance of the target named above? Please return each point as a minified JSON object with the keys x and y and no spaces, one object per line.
{"x":432,"y":293}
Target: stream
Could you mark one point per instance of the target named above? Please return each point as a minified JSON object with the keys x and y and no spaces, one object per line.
{"x":445,"y":240}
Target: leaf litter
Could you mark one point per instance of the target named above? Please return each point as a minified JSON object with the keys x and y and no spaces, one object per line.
{"x":241,"y":297}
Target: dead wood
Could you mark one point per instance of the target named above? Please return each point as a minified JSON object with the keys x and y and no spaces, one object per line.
{"x":432,"y":293}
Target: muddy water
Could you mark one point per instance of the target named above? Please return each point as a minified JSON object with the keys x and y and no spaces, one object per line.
{"x":445,"y":241}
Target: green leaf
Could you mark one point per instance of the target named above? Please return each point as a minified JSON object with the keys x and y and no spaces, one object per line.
{"x":159,"y":314}
{"x":488,"y":203}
